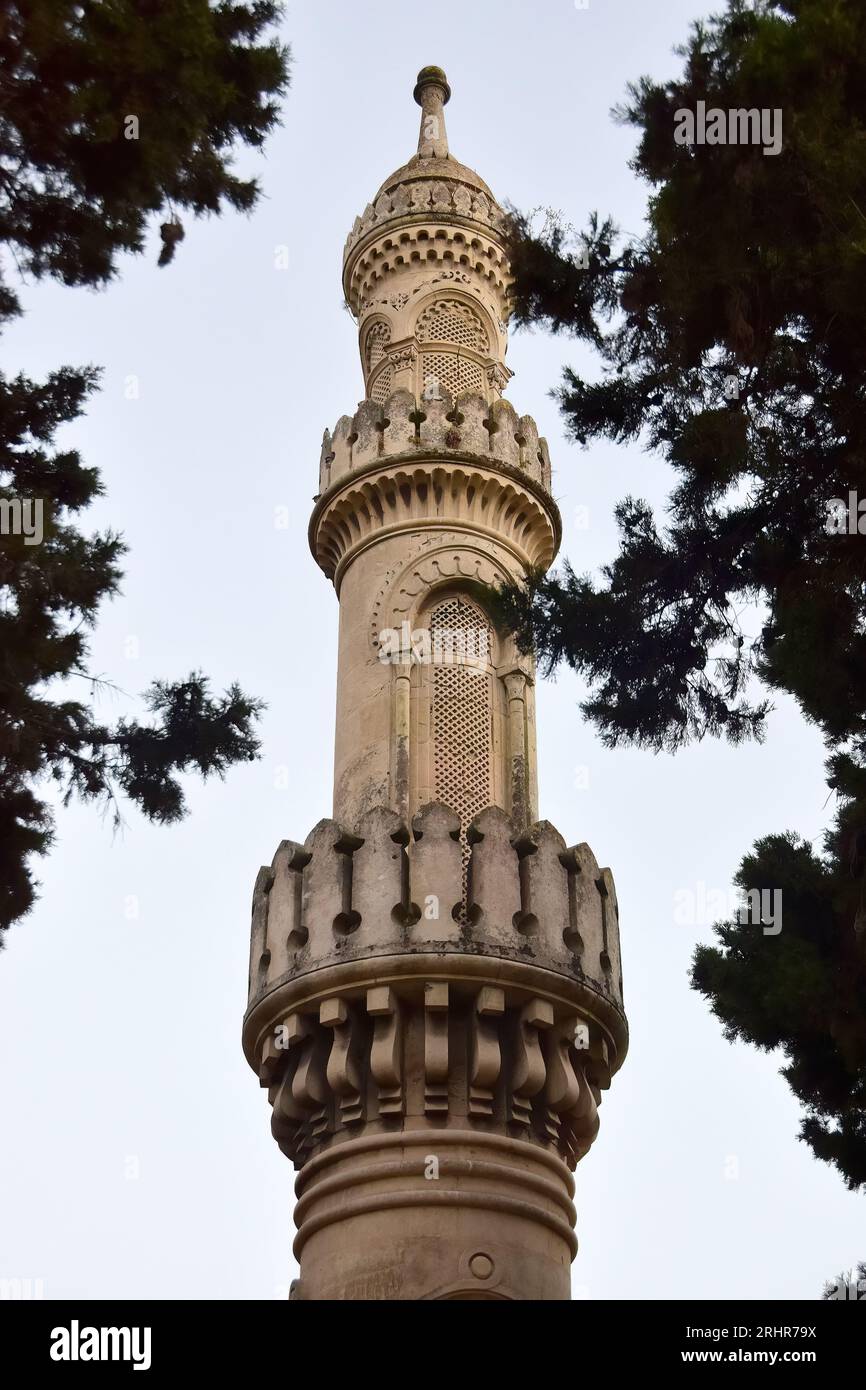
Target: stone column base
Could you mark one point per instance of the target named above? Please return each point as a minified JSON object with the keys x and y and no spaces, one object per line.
{"x":434,"y":1214}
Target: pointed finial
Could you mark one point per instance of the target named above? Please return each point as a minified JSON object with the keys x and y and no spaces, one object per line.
{"x":431,"y":93}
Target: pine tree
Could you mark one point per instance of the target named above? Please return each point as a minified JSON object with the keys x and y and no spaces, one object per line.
{"x":112,"y":115}
{"x":732,"y":341}
{"x":850,"y":1284}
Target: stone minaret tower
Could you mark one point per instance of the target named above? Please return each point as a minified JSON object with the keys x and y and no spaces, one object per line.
{"x":435,"y":994}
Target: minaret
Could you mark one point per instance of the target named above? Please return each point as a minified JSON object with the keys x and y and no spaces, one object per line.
{"x":435,"y":993}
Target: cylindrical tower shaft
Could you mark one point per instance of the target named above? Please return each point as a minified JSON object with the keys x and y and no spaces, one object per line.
{"x":435,"y":985}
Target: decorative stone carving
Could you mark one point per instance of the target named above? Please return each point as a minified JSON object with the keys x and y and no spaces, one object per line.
{"x":468,"y":427}
{"x":394,"y":497}
{"x":403,"y":357}
{"x":436,"y":560}
{"x":501,"y":1056}
{"x":498,"y":376}
{"x":365,"y":892}
{"x":435,"y":991}
{"x":485,"y":1052}
{"x":452,"y":196}
{"x":386,"y":1062}
{"x":479,"y":262}
{"x":435,"y":1048}
{"x":435,"y":874}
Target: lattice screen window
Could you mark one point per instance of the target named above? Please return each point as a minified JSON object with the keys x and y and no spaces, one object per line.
{"x":381,"y":388}
{"x":450,"y":321}
{"x":376,"y":344}
{"x":461,"y":716}
{"x":456,"y":374}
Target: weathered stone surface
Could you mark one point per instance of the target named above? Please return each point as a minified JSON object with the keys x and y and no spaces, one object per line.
{"x":544,"y":890}
{"x":401,"y":412}
{"x":376,"y":889}
{"x":367,"y":427}
{"x":286,"y":933}
{"x":437,"y":431}
{"x":380,"y":876}
{"x":503,"y":429}
{"x":405,"y":422}
{"x":435,"y":982}
{"x":435,"y":873}
{"x":327,"y":887}
{"x":260,"y":956}
{"x":494,"y":879}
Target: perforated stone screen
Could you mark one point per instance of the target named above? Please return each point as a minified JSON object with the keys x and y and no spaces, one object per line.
{"x":381,"y":388}
{"x":461,"y":713}
{"x":377,"y":341}
{"x":455,"y":374}
{"x":450,"y":321}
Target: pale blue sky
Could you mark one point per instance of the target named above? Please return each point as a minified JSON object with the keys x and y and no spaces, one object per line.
{"x":121,"y":1033}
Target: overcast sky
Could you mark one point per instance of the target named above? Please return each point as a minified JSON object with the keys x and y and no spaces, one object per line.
{"x":137,"y":1160}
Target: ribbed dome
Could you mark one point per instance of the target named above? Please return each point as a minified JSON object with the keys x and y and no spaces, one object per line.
{"x":448,"y":168}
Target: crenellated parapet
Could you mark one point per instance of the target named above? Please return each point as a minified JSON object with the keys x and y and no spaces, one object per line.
{"x":408,"y":425}
{"x":383,"y":887}
{"x":381,"y":989}
{"x":416,"y":465}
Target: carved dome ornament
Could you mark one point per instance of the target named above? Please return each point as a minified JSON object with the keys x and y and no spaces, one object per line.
{"x":454,"y":561}
{"x":432,"y":207}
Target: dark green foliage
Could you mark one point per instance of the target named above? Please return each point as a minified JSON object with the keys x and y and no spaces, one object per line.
{"x":732,"y":339}
{"x":76,"y":193}
{"x":803,"y":991}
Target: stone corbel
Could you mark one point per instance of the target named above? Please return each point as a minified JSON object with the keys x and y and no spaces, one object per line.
{"x":564,"y":1085}
{"x":498,"y":377}
{"x":582,"y":1123}
{"x":402,"y":357}
{"x":297,"y":1090}
{"x":435,"y":1048}
{"x":343,"y":1072}
{"x":309,"y":1088}
{"x":485,"y":1058}
{"x":529,"y":1071}
{"x":385,"y":1059}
